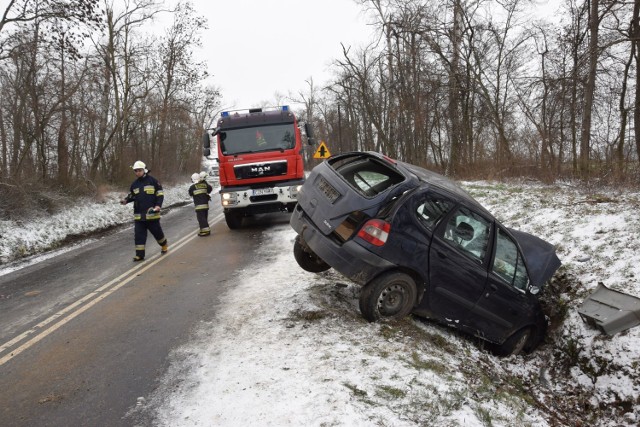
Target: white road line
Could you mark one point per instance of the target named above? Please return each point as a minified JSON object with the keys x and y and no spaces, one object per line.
{"x":94,"y":297}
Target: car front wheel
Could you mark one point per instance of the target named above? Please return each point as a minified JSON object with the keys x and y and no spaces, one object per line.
{"x":515,"y":344}
{"x":389,"y":296}
{"x":306,"y":259}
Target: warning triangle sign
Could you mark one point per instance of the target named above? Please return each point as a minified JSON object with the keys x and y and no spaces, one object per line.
{"x":322,"y":152}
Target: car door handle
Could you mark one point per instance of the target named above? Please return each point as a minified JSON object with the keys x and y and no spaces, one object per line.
{"x":492,"y":288}
{"x":441,"y":254}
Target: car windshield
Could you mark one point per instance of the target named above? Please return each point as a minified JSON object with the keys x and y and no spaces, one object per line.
{"x":258,"y":138}
{"x":366,"y":175}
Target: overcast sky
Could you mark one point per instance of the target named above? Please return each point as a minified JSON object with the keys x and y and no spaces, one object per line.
{"x":257,"y":48}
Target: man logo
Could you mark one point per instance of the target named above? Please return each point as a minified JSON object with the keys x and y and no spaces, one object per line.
{"x":260,"y":170}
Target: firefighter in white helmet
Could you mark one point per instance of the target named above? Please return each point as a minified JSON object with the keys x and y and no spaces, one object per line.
{"x":147,"y":196}
{"x":200,"y":190}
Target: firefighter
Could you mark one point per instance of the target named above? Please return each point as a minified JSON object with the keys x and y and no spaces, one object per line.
{"x":147,"y":197}
{"x":200,"y":190}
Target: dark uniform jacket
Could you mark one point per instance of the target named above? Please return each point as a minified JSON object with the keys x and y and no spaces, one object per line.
{"x":145,"y":192}
{"x":200,"y":193}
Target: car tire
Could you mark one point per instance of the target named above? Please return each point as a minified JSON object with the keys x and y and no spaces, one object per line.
{"x":233,"y":219}
{"x":306,"y":259}
{"x":389,"y":296}
{"x":515,"y":344}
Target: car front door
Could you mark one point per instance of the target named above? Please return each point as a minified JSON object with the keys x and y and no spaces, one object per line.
{"x":458,"y":265}
{"x":504,"y":305}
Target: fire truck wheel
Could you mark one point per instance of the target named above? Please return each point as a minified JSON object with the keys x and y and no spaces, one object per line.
{"x":233,"y":219}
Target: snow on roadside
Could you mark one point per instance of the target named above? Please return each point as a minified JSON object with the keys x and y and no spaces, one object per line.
{"x":289,"y":348}
{"x":31,"y":238}
{"x":596,"y":235}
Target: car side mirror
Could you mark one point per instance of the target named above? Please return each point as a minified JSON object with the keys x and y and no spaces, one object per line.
{"x":206,"y":141}
{"x":534,"y":290}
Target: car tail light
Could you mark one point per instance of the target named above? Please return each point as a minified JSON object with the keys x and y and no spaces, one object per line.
{"x":375,"y":231}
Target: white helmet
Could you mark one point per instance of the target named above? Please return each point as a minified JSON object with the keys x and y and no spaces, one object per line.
{"x":139,"y":165}
{"x":195,"y":177}
{"x":203,"y":175}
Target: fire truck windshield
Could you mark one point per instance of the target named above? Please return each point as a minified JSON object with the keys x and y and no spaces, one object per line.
{"x":258,"y":138}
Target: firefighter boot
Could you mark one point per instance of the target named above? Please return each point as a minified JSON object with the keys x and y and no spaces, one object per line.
{"x":139,"y":253}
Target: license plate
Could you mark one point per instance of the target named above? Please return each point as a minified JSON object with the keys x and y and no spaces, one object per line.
{"x":328,"y":190}
{"x":262,"y":191}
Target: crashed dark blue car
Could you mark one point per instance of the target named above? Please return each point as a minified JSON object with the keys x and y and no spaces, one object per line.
{"x":420,"y":244}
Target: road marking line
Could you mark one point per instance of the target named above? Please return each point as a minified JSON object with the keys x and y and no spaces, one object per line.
{"x":98,"y":295}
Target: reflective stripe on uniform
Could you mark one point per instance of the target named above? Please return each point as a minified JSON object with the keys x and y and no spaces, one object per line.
{"x":201,"y":207}
{"x":154,"y":215}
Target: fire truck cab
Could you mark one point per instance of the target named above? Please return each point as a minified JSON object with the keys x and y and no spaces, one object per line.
{"x":261,"y":164}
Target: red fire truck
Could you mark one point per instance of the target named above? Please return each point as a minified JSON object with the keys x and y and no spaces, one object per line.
{"x":261,"y":167}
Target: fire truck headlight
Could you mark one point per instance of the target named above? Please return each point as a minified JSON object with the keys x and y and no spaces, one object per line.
{"x":294,"y":190}
{"x":229,"y":199}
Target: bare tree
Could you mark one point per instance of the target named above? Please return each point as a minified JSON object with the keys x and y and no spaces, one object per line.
{"x":178,"y":73}
{"x":68,"y":15}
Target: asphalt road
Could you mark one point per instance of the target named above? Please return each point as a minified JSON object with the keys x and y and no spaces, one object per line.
{"x":86,"y":333}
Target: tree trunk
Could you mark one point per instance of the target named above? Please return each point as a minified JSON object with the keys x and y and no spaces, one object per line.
{"x":454,"y":92}
{"x":636,"y":44}
{"x":590,"y":87}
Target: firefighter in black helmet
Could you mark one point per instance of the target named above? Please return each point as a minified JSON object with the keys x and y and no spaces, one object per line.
{"x":147,"y":197}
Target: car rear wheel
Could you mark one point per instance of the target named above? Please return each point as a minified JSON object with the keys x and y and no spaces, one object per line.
{"x":515,"y":344}
{"x":306,"y":259}
{"x":389,"y":296}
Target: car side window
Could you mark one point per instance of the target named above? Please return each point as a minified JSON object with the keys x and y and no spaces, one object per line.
{"x":469,"y":232}
{"x":508,"y":263}
{"x":432,"y":209}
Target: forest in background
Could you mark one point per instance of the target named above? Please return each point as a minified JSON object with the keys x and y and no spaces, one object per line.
{"x":469,"y":88}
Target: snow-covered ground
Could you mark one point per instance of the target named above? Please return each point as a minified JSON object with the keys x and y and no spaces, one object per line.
{"x":290,"y":348}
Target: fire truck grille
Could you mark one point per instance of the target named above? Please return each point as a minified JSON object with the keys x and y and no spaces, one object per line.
{"x":256,"y":170}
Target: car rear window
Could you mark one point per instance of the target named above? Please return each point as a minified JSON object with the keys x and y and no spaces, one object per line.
{"x":368,"y":176}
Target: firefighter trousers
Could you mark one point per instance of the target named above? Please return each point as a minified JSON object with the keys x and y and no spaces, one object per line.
{"x":203,"y":221}
{"x":140,"y":235}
